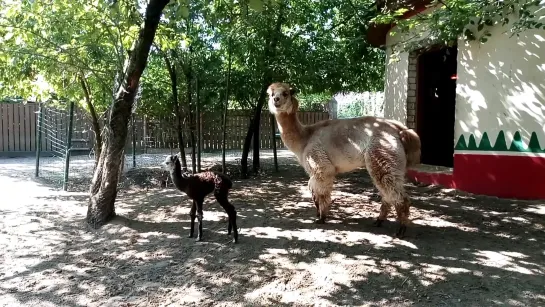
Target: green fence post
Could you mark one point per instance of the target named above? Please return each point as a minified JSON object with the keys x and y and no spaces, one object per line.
{"x":68,"y":147}
{"x":133,"y":142}
{"x":39,"y":140}
{"x":273,"y":136}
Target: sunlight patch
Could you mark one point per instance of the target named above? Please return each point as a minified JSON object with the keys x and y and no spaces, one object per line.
{"x":537,"y":209}
{"x":441,"y":223}
{"x":499,"y":260}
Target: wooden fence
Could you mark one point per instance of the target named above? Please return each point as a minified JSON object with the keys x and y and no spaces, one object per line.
{"x":18,"y":130}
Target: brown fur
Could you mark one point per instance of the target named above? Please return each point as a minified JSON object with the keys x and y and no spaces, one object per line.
{"x":197,"y":187}
{"x":384,"y":147}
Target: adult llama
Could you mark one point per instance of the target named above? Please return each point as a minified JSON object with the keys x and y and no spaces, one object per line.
{"x":386,"y":148}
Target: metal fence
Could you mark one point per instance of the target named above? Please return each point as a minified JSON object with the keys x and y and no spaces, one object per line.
{"x":23,"y":131}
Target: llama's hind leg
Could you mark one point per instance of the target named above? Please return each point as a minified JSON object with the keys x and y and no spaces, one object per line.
{"x":402,"y":210}
{"x":384,"y":210}
{"x":192,"y":215}
{"x":221,"y":197}
{"x":389,"y":181}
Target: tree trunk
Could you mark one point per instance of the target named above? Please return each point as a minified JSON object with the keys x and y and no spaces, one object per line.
{"x":103,"y":189}
{"x":253,"y":130}
{"x":199,"y":130}
{"x":246,"y":149}
{"x":94,"y":118}
{"x":192,"y":127}
{"x":257,"y":126}
{"x":176,"y":106}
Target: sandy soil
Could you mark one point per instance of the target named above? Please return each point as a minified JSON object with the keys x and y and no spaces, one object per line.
{"x":461,"y":250}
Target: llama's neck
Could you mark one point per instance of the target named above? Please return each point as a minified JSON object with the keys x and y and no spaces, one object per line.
{"x":291,"y":131}
{"x":178,"y":180}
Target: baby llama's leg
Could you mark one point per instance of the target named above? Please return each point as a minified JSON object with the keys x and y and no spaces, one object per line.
{"x":221,"y":197}
{"x":383,"y":169}
{"x":199,"y":218}
{"x":192,"y":215}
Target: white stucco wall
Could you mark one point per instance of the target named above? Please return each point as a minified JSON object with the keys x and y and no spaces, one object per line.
{"x":395,"y":88}
{"x":501,"y":86}
{"x":500,"y":83}
{"x":396,"y":73}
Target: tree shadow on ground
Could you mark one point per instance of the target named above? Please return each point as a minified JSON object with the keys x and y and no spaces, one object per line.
{"x":461,"y":250}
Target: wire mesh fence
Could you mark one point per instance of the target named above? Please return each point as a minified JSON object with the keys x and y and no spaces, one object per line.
{"x":44,"y":131}
{"x":52,"y":131}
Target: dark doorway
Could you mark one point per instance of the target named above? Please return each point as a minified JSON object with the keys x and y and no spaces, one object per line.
{"x":436,"y":94}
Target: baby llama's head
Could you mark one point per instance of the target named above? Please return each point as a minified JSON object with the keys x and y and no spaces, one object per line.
{"x":170,"y":163}
{"x":282,"y":99}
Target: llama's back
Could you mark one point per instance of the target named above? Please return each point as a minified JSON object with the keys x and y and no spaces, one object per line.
{"x":227,"y":183}
{"x":343,"y":141}
{"x":346,"y":141}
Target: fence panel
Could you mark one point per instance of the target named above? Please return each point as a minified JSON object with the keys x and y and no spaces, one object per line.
{"x":18,"y":129}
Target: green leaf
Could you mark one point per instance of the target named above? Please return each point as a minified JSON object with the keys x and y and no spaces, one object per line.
{"x":256,"y":5}
{"x":480,"y":27}
{"x":8,"y":36}
{"x":183,"y":11}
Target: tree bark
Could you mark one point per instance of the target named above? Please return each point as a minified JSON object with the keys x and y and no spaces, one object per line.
{"x":103,"y":189}
{"x":199,"y":127}
{"x":189,"y":80}
{"x":176,"y":106}
{"x":253,"y":129}
{"x":94,"y":118}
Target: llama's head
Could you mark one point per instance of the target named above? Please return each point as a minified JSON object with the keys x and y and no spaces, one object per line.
{"x":282,"y":98}
{"x":171,"y":163}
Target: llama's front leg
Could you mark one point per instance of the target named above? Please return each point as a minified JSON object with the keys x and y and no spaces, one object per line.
{"x":316,"y":204}
{"x":321,"y":188}
{"x":192,"y":215}
{"x":199,"y":218}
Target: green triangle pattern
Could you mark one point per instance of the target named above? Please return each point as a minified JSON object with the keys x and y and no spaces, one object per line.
{"x":517,"y":144}
{"x":461,"y":145}
{"x":485,"y":143}
{"x":534,"y":146}
{"x":501,"y":144}
{"x":472,"y":144}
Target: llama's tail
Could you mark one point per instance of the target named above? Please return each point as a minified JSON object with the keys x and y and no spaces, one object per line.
{"x":411,"y":143}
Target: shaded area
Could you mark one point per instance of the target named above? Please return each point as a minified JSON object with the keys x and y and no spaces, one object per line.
{"x":461,"y":250}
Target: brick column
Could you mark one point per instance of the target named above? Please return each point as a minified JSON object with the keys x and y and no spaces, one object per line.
{"x":411,"y":91}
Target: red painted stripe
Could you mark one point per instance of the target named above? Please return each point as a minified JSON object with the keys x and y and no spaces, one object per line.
{"x":521,"y":177}
{"x":441,"y":179}
{"x":503,"y":176}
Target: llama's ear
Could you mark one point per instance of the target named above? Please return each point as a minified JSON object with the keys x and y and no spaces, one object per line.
{"x":293,"y":91}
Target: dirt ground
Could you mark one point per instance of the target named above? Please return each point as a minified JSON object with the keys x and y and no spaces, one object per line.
{"x":462,"y":250}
